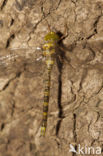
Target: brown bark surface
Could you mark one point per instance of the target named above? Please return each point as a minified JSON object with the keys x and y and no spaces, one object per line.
{"x":76,"y":96}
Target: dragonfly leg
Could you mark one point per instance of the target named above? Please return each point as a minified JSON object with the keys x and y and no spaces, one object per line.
{"x":65,"y":32}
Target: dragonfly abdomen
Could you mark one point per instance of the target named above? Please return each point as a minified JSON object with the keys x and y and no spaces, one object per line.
{"x":49,"y":53}
{"x":49,"y":62}
{"x":45,"y":105}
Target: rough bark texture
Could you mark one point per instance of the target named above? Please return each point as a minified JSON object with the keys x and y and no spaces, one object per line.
{"x":76,"y":98}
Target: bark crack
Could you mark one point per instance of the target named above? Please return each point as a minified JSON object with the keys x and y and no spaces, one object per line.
{"x":8,"y":83}
{"x":9,"y":40}
{"x":95,"y":27}
{"x":3,"y":4}
{"x":74,"y":132}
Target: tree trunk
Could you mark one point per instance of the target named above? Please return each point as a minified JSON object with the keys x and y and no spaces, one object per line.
{"x":75,"y":115}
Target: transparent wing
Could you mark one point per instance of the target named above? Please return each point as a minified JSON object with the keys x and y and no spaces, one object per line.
{"x":14,"y":60}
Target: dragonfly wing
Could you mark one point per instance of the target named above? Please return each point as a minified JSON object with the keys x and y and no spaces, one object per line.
{"x":12,"y":61}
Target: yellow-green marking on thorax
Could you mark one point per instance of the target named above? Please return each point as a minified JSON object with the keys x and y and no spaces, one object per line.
{"x":51,"y":36}
{"x":51,"y":39}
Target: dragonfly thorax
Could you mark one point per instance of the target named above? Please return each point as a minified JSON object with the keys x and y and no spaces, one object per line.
{"x":51,"y":36}
{"x":48,"y":48}
{"x":51,"y":40}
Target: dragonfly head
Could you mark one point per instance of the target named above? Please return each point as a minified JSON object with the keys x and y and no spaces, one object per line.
{"x":51,"y":36}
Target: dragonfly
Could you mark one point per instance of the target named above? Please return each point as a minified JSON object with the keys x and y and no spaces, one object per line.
{"x":50,"y":53}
